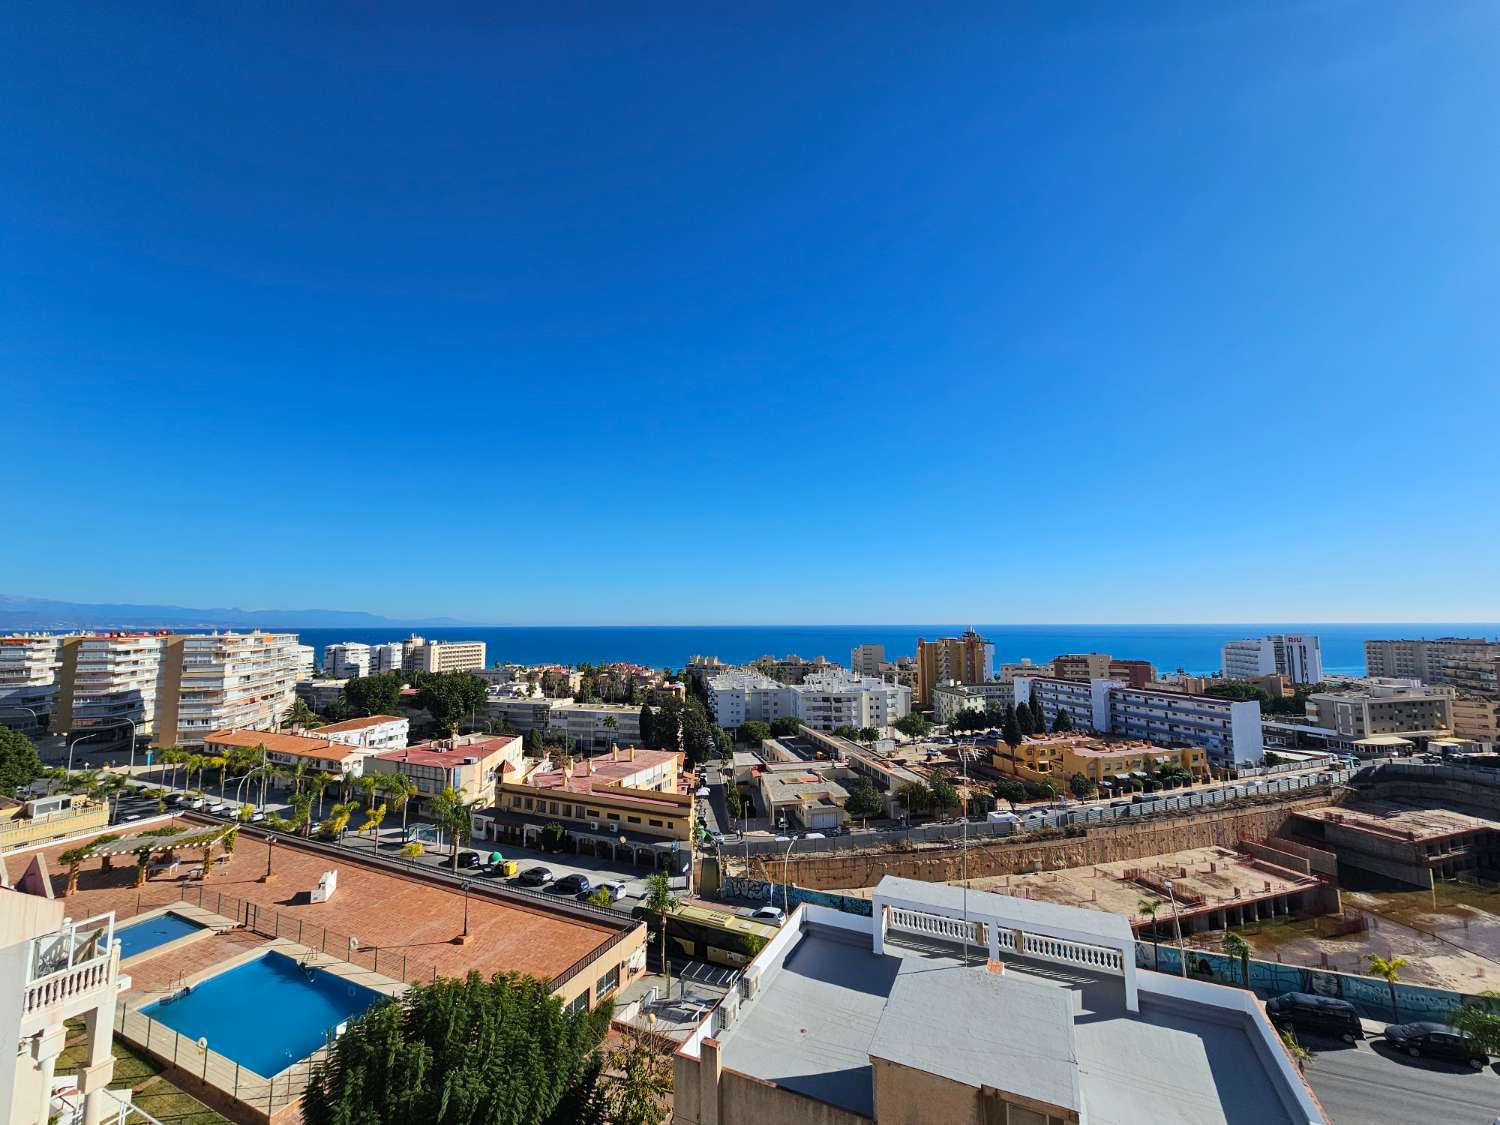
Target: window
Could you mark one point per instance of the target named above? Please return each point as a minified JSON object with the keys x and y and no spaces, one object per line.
{"x":613,"y":815}
{"x":655,"y":823}
{"x":607,"y":984}
{"x":528,"y":802}
{"x":579,"y":1003}
{"x":633,"y":819}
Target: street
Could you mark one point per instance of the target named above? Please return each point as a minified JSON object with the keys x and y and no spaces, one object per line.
{"x":1370,"y":1084}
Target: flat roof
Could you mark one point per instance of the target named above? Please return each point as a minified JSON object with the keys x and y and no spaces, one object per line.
{"x":359,"y":724}
{"x":1403,"y":820}
{"x":1044,"y":916}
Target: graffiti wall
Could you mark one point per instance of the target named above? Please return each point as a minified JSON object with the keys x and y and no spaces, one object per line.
{"x":759,"y":890}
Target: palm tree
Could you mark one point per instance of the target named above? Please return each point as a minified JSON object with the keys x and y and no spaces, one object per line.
{"x":74,"y":858}
{"x":302,"y":813}
{"x":338,"y":819}
{"x":1147,"y":908}
{"x":299,"y":714}
{"x":455,"y":814}
{"x":221,"y":763}
{"x":400,"y":790}
{"x":1389,"y":970}
{"x":320,"y":782}
{"x":296,"y":774}
{"x":365,"y":785}
{"x":1235,"y":946}
{"x":374,"y":814}
{"x":660,"y":901}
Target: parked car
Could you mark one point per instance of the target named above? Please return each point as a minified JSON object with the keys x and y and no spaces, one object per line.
{"x":813,"y":836}
{"x":469,"y":859}
{"x":536,"y":876}
{"x":1321,"y":1015}
{"x":1437,"y":1041}
{"x":572,"y":885}
{"x":614,"y":887}
{"x":773,"y":914}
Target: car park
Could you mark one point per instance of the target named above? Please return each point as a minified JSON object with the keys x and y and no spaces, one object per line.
{"x":1437,"y":1041}
{"x":1319,"y":1015}
{"x":572,"y":885}
{"x":536,"y":876}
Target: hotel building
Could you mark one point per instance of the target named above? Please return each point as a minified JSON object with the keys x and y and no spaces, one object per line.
{"x":1296,"y":656}
{"x":421,"y":655}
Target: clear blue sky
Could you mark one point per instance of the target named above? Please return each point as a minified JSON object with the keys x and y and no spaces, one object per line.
{"x":810,"y":313}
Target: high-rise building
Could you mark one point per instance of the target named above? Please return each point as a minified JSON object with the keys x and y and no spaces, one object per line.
{"x":28,"y":680}
{"x":175,"y":688}
{"x":865,"y":660}
{"x":306,"y":661}
{"x":385,"y":658}
{"x":418,"y":654}
{"x":1296,"y":656}
{"x":967,"y":659}
{"x":1467,"y":663}
{"x":1102,"y":666}
{"x":346,"y":661}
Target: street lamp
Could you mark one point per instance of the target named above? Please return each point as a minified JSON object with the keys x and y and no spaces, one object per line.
{"x":786,"y":907}
{"x":270,"y":848}
{"x":465,"y":938}
{"x":1177,"y":922}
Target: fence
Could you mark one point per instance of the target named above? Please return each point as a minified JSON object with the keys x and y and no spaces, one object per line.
{"x":1050,"y":818}
{"x":1371,"y":996}
{"x":262,"y":1093}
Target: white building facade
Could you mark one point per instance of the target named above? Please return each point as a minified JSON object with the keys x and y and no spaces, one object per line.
{"x":824,"y":701}
{"x":1297,"y":656}
{"x":346,"y":661}
{"x":28,"y":680}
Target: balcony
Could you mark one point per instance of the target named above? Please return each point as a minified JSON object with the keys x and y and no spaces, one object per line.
{"x":70,"y":971}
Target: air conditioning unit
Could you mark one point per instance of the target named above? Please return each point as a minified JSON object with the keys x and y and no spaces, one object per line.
{"x":750,"y":982}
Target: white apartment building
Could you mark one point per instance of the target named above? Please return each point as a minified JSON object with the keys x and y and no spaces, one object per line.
{"x":418,"y":654}
{"x":595,"y":727}
{"x":525,"y":714}
{"x":867,"y":660}
{"x":346,"y":661}
{"x":824,"y":701}
{"x":108,"y":681}
{"x":948,"y":700}
{"x":385,"y":658}
{"x":306,"y":661}
{"x":1229,"y":730}
{"x":53,"y":970}
{"x":1297,"y":656}
{"x":376,"y":733}
{"x":29,"y":664}
{"x":226,"y":681}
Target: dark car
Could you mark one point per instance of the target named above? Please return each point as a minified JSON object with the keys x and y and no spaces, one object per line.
{"x":536,"y":876}
{"x":572,"y":885}
{"x":468,"y":859}
{"x":1437,"y":1041}
{"x":1321,"y":1015}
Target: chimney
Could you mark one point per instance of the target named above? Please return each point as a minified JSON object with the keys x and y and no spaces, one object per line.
{"x":996,"y":967}
{"x":614,"y":752}
{"x":632,"y":753}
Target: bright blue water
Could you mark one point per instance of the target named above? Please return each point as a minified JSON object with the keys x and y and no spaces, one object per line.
{"x":265,"y":1014}
{"x":141,"y":936}
{"x":1193,"y":648}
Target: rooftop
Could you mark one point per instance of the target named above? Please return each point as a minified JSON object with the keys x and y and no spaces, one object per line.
{"x":295,"y":744}
{"x":1403,"y":820}
{"x":358,"y":724}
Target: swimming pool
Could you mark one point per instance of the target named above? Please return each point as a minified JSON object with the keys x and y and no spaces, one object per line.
{"x":265,"y":1014}
{"x":151,"y":932}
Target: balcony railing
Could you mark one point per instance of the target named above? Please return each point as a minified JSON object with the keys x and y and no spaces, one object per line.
{"x":68,"y":963}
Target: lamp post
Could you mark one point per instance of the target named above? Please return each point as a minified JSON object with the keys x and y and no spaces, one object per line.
{"x":465,"y":937}
{"x":1177,"y":923}
{"x":786,"y":906}
{"x":270,"y":848}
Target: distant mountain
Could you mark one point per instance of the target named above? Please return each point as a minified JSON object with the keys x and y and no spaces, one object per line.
{"x":43,"y":613}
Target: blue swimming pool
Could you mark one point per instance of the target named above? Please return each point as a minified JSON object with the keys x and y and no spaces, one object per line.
{"x":265,"y":1014}
{"x":148,"y":934}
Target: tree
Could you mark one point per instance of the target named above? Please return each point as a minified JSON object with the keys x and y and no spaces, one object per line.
{"x":554,"y":836}
{"x":785,"y":727}
{"x":400,"y":791}
{"x":944,"y":796}
{"x":374,"y":814}
{"x":754,"y":732}
{"x":1388,"y":970}
{"x":1010,"y":728}
{"x":460,"y":1051}
{"x":1038,"y":718}
{"x":1480,"y":1020}
{"x":453,"y":813}
{"x":868,"y":734}
{"x":697,"y":737}
{"x":1080,"y":785}
{"x":732,"y":800}
{"x":666,"y":724}
{"x":864,"y":800}
{"x":1148,"y":908}
{"x":532,"y":745}
{"x":299,"y":714}
{"x":379,"y":694}
{"x":449,"y":696}
{"x":1235,"y":946}
{"x":1063,"y":722}
{"x":915,"y":797}
{"x":74,"y":858}
{"x":19,"y":763}
{"x":639,"y":1086}
{"x":648,"y":727}
{"x":1025,"y":720}
{"x":846,"y":731}
{"x":913,"y":726}
{"x":660,"y":901}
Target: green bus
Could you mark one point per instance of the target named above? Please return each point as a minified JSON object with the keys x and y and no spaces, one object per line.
{"x":700,"y":934}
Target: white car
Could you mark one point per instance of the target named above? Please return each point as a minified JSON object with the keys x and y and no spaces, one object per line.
{"x":615,"y":887}
{"x":773,"y":914}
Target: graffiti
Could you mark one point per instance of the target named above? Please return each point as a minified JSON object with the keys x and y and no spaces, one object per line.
{"x":760,"y":890}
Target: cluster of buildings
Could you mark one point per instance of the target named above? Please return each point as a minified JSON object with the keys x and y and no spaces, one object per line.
{"x":823,"y":700}
{"x":350,"y":659}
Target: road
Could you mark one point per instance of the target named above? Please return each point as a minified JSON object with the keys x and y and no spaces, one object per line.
{"x":1369,"y":1084}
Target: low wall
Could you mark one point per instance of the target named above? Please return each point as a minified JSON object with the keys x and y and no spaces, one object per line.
{"x":1104,"y":844}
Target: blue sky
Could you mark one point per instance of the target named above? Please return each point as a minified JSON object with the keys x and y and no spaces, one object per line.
{"x":801,"y":313}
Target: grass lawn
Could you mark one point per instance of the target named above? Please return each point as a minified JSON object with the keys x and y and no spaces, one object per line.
{"x":152,"y":1093}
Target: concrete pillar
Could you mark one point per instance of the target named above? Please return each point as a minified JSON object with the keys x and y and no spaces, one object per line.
{"x":992,"y":932}
{"x":710,"y":1066}
{"x":94,"y":1078}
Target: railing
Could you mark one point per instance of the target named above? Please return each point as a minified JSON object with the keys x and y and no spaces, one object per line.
{"x":116,"y":1111}
{"x":588,"y":959}
{"x":1098,"y":958}
{"x":71,"y":982}
{"x":933,"y":925}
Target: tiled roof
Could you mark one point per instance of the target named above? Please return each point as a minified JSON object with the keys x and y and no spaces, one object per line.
{"x":358,"y":724}
{"x":280,"y":743}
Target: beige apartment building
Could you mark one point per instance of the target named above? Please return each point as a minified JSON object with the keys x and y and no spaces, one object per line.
{"x":1103,"y":666}
{"x":966,"y":659}
{"x":1394,"y":708}
{"x":1477,"y":718}
{"x":418,"y":654}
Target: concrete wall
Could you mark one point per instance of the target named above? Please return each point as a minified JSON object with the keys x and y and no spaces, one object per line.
{"x":739,"y":1099}
{"x":1104,"y":844}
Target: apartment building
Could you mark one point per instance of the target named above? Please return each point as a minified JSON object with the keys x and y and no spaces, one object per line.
{"x":385,"y":658}
{"x":967,"y":659}
{"x":418,"y":654}
{"x":955,"y":1005}
{"x":1296,"y":656}
{"x":948,"y":700}
{"x":1059,"y":756}
{"x":524,"y":714}
{"x":376,"y":733}
{"x":1394,"y":707}
{"x":472,"y":764}
{"x":109,"y":680}
{"x":796,"y":794}
{"x":318,"y":755}
{"x":867,"y":659}
{"x":1229,"y":730}
{"x":1468,"y":663}
{"x":29,"y":664}
{"x":595,"y":727}
{"x":322,"y":696}
{"x":1102,"y":666}
{"x":306,"y":662}
{"x":628,"y":803}
{"x":792,"y":669}
{"x":346,"y":661}
{"x":824,"y":701}
{"x":1477,"y":718}
{"x":54,"y":970}
{"x":222,"y":681}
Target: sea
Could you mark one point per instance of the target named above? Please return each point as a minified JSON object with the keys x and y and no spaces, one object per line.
{"x":1171,"y":648}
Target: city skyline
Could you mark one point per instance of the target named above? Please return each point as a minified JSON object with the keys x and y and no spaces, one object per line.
{"x":1048,"y":316}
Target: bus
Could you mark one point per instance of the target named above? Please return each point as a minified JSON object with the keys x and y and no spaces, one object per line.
{"x":697,"y":933}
